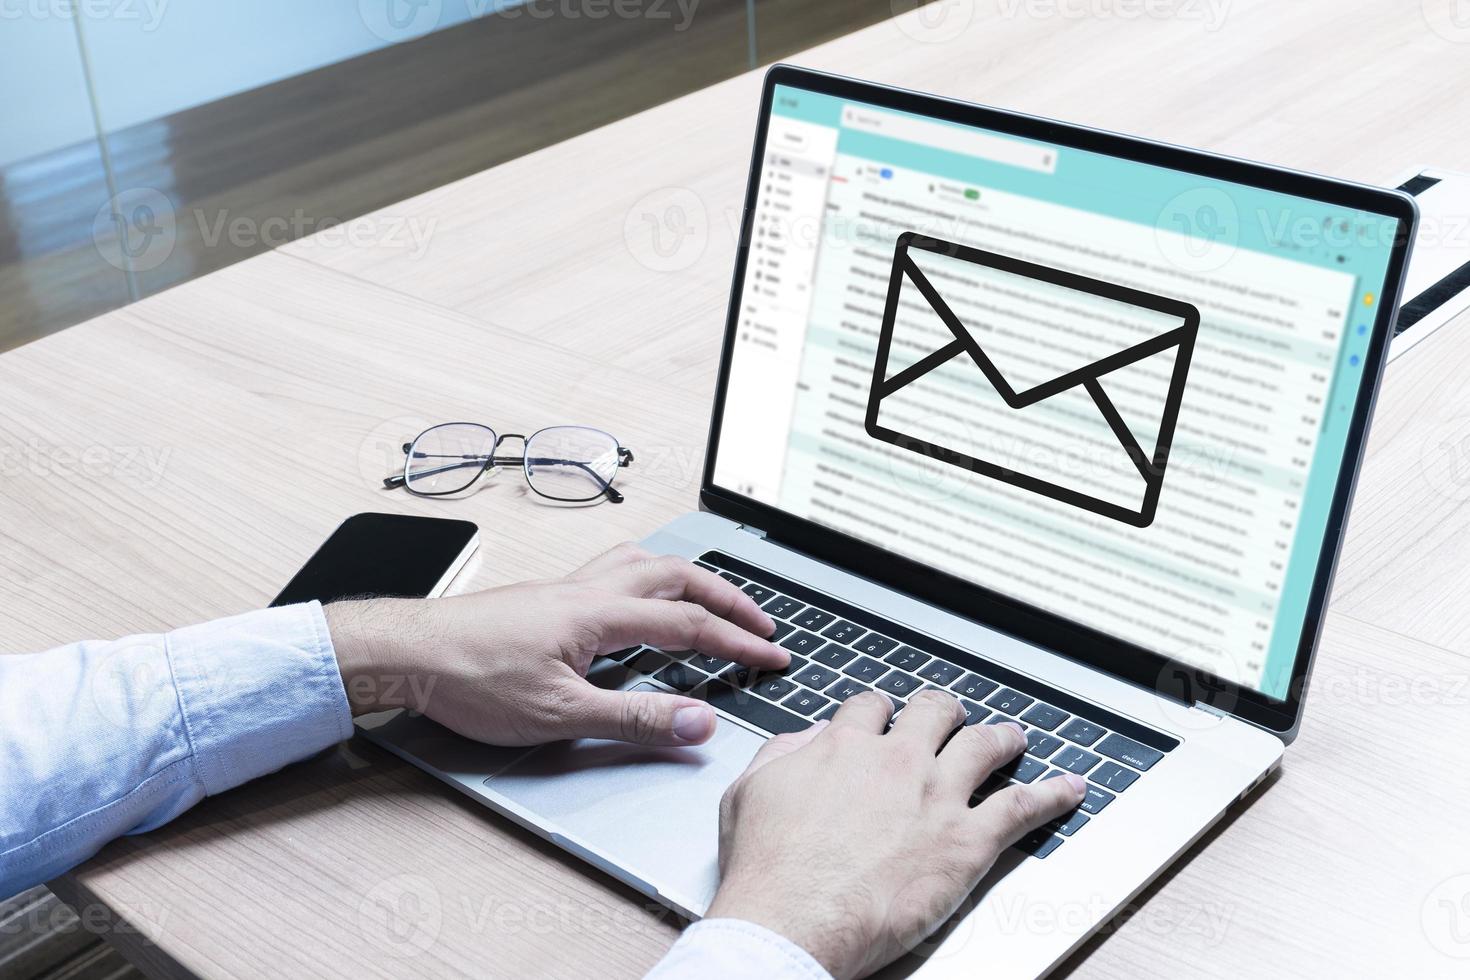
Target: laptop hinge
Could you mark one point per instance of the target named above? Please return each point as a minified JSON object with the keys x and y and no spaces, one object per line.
{"x":1211,"y":709}
{"x":753,"y":530}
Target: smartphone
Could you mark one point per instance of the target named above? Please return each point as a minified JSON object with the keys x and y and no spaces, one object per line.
{"x":384,"y":555}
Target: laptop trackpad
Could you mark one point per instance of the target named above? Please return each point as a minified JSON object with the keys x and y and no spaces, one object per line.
{"x":648,"y":816}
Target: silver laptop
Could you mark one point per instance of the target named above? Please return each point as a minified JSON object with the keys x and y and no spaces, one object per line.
{"x":1060,"y":421}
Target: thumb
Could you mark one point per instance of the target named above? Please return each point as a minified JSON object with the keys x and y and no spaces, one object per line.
{"x":645,"y":717}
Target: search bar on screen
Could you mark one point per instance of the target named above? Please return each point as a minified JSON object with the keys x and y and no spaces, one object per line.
{"x":942,"y":136}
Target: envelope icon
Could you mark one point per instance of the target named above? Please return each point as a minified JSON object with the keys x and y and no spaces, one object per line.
{"x":1043,"y":379}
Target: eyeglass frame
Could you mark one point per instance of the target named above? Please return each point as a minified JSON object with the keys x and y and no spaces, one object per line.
{"x":625,"y":457}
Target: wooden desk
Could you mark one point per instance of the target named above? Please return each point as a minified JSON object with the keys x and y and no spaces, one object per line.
{"x":210,"y":436}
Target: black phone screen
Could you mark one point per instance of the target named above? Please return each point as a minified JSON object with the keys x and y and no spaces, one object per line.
{"x":380,"y":555}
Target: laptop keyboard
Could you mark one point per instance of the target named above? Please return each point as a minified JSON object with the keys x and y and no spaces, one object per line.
{"x":838,"y":651}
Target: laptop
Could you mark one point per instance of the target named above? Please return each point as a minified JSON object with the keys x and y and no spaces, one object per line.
{"x":1063,"y":422}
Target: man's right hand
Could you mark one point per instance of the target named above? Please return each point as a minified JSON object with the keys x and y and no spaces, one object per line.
{"x":922,"y":848}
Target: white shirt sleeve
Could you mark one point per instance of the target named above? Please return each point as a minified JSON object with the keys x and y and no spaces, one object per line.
{"x":733,"y":949}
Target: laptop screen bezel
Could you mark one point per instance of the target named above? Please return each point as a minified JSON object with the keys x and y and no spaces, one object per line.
{"x":1168,"y":677}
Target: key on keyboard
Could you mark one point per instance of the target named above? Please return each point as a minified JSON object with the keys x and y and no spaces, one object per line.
{"x":899,"y":683}
{"x":681,"y":677}
{"x":1045,"y":716}
{"x":1040,"y":744}
{"x":812,"y":619}
{"x":1075,"y":760}
{"x":973,"y":686}
{"x":761,"y":714}
{"x":803,"y":642}
{"x":1011,"y":702}
{"x":648,"y":662}
{"x":1113,"y":776}
{"x":774,"y":688}
{"x":941,"y":673}
{"x":874,"y":645}
{"x":866,"y":669}
{"x":907,"y":658}
{"x":834,"y":655}
{"x":758,"y":592}
{"x":842,"y":631}
{"x":1082,"y":732}
{"x":974,"y":714}
{"x":1124,"y":749}
{"x":1039,"y":843}
{"x":806,"y":702}
{"x":1071,"y":824}
{"x":815,"y":677}
{"x":1096,"y":799}
{"x":1025,"y":770}
{"x":621,"y":655}
{"x":844,"y":689}
{"x":782,"y":607}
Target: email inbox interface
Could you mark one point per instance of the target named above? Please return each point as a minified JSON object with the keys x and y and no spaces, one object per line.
{"x":1053,"y":500}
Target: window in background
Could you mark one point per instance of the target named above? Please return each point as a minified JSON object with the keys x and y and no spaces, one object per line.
{"x":232,"y":128}
{"x":52,"y":183}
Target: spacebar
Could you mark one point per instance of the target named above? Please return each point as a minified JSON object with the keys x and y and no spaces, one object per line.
{"x":747,"y":707}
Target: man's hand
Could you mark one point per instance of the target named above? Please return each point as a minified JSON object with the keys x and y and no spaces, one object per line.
{"x":918,"y":846}
{"x":508,"y":666}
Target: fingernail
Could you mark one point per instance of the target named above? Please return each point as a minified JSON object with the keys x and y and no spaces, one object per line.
{"x":1075,"y":781}
{"x":692,"y":724}
{"x":1016,"y":728}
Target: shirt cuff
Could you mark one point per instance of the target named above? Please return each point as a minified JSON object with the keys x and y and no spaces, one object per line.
{"x":258,"y":692}
{"x":733,"y":949}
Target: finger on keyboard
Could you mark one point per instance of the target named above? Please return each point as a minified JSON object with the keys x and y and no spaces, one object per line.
{"x":678,"y":625}
{"x":868,"y":711}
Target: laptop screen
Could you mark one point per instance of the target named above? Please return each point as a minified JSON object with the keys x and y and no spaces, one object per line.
{"x":1113,"y":391}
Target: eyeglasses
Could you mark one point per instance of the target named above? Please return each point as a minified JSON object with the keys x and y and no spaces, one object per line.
{"x":570,"y":463}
